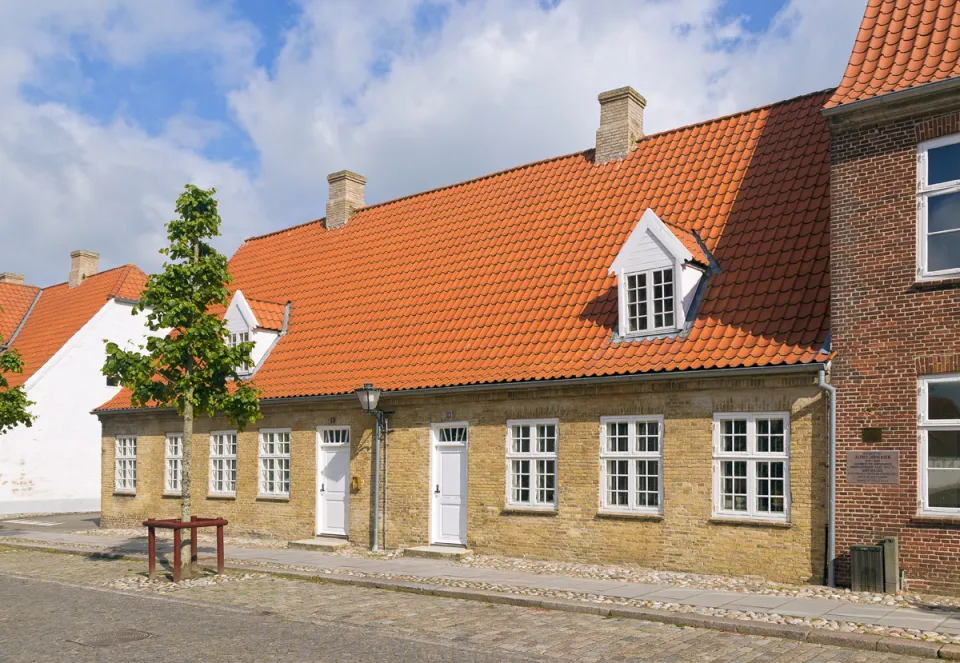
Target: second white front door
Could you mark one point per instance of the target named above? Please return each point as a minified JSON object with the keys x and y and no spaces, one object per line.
{"x":448,"y":513}
{"x":333,"y":481}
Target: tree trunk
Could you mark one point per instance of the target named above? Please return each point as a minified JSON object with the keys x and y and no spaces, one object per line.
{"x":188,"y":569}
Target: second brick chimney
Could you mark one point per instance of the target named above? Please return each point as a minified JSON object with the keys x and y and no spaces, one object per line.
{"x":10,"y":277}
{"x":82,"y":264}
{"x":621,"y":123}
{"x":346,"y":195}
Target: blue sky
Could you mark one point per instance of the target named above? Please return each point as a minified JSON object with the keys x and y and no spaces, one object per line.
{"x":108,"y":106}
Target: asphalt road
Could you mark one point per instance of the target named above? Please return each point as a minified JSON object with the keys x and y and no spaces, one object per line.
{"x":39,"y":620}
{"x":65,"y":522}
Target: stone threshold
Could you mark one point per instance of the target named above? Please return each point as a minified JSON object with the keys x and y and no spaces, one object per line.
{"x":805,"y":634}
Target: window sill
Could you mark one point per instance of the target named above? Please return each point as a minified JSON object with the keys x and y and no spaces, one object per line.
{"x":528,"y":511}
{"x":750,"y":522}
{"x":936,"y":519}
{"x":124,"y":493}
{"x":221,"y":496}
{"x":627,"y":515}
{"x":171,"y":496}
{"x":273,"y":498}
{"x":943,"y":282}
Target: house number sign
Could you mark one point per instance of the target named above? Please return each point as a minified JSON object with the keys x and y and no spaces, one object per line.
{"x":873,"y":467}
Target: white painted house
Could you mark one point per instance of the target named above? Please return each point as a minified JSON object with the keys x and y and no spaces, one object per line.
{"x":54,"y":466}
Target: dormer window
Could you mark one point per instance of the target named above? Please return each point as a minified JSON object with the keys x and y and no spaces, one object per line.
{"x":236,"y":338}
{"x":255,"y":321}
{"x":650,"y":301}
{"x":660,"y":270}
{"x":938,"y":174}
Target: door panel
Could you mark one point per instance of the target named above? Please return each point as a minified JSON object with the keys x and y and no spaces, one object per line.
{"x":449,"y":512}
{"x":334,"y":487}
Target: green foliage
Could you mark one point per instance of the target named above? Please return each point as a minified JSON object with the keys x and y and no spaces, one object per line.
{"x":191,"y":360}
{"x":13,"y":402}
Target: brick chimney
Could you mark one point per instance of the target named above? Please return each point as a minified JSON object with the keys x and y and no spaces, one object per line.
{"x":346,"y":194}
{"x":621,"y":123}
{"x":82,"y":264}
{"x":10,"y":277}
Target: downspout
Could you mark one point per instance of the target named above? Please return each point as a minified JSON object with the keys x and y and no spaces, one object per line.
{"x":386,"y":469}
{"x":832,"y":481}
{"x":376,"y":483}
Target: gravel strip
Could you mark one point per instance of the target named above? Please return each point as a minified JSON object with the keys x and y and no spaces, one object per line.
{"x":162,"y":585}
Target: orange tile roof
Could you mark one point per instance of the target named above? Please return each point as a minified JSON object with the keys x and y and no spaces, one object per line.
{"x":690,"y":243}
{"x":61,"y":311}
{"x":505,"y":278}
{"x":15,"y":301}
{"x":901,"y":44}
{"x":269,"y":314}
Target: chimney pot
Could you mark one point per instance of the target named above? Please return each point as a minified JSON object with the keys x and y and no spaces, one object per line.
{"x":346,"y":195}
{"x":82,"y":264}
{"x":621,"y":123}
{"x":10,"y":277}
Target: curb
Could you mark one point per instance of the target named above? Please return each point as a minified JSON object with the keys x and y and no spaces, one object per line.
{"x":861,"y":641}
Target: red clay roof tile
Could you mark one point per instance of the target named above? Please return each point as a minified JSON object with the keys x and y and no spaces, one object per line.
{"x":15,"y":301}
{"x":901,"y":44}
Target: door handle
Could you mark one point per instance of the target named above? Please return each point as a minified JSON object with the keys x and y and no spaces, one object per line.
{"x":437,"y":491}
{"x":323,"y":487}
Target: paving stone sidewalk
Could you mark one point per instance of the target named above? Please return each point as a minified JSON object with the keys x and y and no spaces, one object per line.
{"x":925,"y":619}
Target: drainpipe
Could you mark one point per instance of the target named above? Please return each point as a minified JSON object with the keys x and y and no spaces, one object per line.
{"x":376,"y":482}
{"x":386,"y":469}
{"x":832,"y":482}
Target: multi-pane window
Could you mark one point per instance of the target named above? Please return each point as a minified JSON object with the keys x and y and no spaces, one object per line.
{"x":532,"y":463}
{"x":940,"y":444}
{"x":452,"y":434}
{"x":173,"y":463}
{"x":650,"y":301}
{"x":125,"y":468}
{"x":275,"y":463}
{"x":939,"y":207}
{"x":631,"y":454}
{"x":335,"y":435}
{"x":223,"y":463}
{"x":236,"y":338}
{"x":752,"y":465}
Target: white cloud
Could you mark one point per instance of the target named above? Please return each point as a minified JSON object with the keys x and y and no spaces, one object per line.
{"x":357,"y":86}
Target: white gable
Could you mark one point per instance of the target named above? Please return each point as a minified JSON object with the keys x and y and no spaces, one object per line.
{"x":239,"y":315}
{"x":651,"y":245}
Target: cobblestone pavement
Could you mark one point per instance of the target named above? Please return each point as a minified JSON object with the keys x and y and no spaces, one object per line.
{"x":268,"y":618}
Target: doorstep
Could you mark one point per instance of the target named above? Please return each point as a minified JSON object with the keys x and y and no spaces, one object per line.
{"x":438,"y":552}
{"x":321,"y":543}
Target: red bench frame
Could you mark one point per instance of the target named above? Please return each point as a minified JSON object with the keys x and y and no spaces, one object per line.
{"x":176,"y":524}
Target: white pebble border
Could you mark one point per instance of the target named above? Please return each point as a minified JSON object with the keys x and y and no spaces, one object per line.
{"x":162,"y":585}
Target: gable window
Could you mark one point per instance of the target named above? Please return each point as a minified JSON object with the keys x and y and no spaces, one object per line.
{"x":650,"y":301}
{"x":940,"y":444}
{"x":125,"y":467}
{"x":532,"y":463}
{"x":223,"y":463}
{"x":752,"y":466}
{"x":173,"y":457}
{"x":275,"y":463}
{"x":236,"y":338}
{"x":631,"y":454}
{"x":939,"y":207}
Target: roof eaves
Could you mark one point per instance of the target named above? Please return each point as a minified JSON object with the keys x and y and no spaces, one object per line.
{"x":888,"y":98}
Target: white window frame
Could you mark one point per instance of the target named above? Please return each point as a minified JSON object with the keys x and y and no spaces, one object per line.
{"x":224,"y":458}
{"x":277,"y":458}
{"x":533,"y":456}
{"x":925,"y":425}
{"x":624,"y":296}
{"x":235,"y":339}
{"x":125,"y":481}
{"x":172,"y":485}
{"x":924,"y":192}
{"x":751,"y":456}
{"x":632,"y":455}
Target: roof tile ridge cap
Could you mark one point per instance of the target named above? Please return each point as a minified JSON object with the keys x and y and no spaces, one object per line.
{"x":747,"y":111}
{"x":296,"y":226}
{"x":118,"y":284}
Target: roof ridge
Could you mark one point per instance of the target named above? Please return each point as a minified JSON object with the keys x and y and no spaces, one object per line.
{"x":539,"y":162}
{"x":106,"y":271}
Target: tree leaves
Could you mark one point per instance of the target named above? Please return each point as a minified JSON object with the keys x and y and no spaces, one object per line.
{"x":190,"y":357}
{"x":13,"y":402}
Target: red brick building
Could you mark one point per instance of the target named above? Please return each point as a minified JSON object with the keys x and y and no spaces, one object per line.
{"x":895,"y":293}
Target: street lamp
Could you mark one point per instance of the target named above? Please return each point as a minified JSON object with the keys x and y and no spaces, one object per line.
{"x":369,"y":399}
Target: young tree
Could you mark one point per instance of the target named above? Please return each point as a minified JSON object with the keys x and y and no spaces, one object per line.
{"x":190,"y":365}
{"x":13,"y":402}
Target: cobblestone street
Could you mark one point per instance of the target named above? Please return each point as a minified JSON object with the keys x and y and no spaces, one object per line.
{"x":49,"y":600}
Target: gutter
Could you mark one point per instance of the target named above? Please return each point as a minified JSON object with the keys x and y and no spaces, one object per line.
{"x":892,"y":97}
{"x":832,"y":482}
{"x":753,"y":371}
{"x":16,"y":332}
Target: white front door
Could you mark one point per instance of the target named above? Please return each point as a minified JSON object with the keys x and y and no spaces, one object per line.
{"x":448,"y":513}
{"x":333,"y":481}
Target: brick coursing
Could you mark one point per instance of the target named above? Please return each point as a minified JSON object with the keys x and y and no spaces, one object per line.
{"x":887,"y":330}
{"x":685,"y":538}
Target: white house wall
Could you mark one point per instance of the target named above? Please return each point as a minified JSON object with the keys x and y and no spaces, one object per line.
{"x":55,"y":465}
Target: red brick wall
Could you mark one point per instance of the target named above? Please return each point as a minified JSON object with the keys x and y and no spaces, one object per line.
{"x":887,"y":330}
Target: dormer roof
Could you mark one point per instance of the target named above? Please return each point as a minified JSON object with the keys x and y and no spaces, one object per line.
{"x":678,"y":242}
{"x":255,"y":313}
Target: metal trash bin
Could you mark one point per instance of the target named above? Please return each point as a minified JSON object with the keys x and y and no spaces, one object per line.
{"x":866,"y":568}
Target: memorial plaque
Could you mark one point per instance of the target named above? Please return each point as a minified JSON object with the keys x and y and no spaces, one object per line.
{"x":873,"y":467}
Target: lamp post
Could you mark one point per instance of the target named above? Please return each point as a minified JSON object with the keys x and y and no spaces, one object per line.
{"x":369,"y":399}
